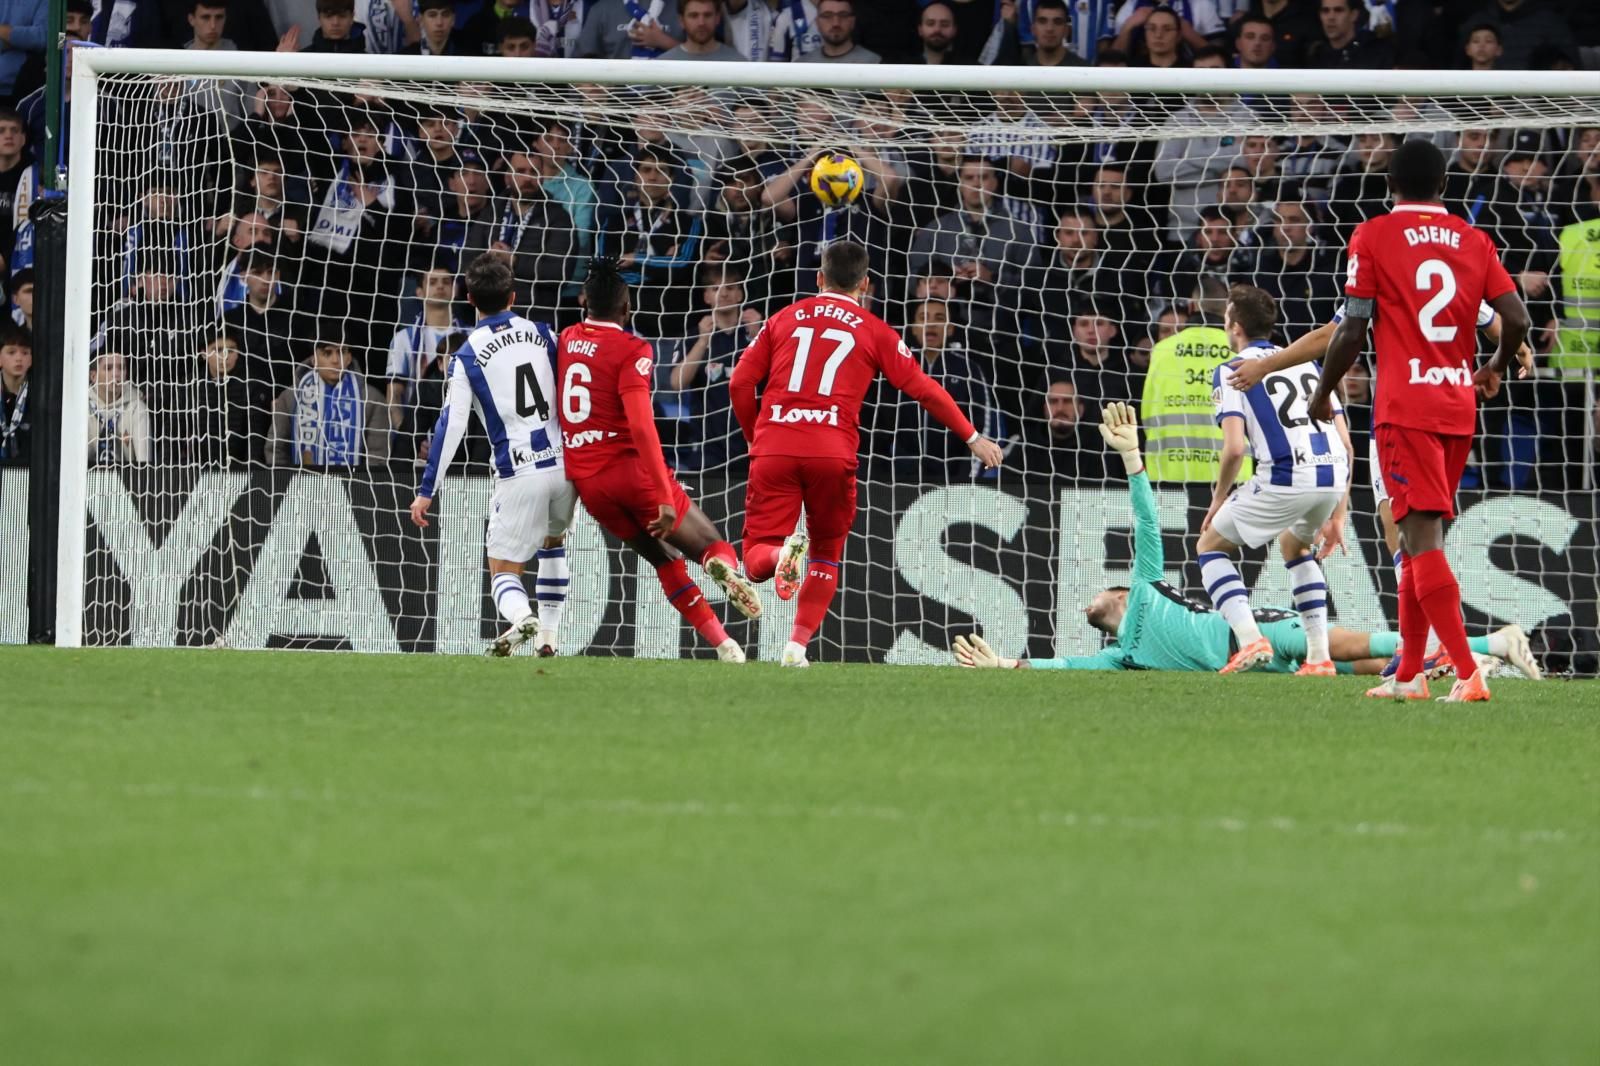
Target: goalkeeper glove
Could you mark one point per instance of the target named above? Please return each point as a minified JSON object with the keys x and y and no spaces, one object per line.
{"x":1119,"y":426}
{"x":974,"y":652}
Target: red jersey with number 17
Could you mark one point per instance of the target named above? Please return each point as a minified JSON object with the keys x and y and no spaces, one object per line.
{"x":1428,"y":271}
{"x":597,"y":362}
{"x":818,"y":357}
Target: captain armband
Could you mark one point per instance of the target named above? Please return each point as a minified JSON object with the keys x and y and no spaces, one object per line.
{"x":1359,"y":307}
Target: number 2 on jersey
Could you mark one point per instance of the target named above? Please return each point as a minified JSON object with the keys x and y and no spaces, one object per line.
{"x":843,"y":341}
{"x":1427,"y":271}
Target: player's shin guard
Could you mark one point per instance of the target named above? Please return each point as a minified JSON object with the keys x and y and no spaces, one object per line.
{"x":822,"y":581}
{"x":1413,"y":627}
{"x":1311,"y":600}
{"x":1399,"y":575}
{"x":687,"y":599}
{"x":1440,"y":598}
{"x":760,"y":560}
{"x":510,"y":598}
{"x":551,"y":587}
{"x":1228,"y":595}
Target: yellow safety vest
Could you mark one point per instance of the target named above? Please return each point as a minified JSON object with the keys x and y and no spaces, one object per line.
{"x":1182,"y":438}
{"x":1578,"y":341}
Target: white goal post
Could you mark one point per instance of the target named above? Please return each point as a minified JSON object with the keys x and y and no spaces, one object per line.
{"x":961,"y":552}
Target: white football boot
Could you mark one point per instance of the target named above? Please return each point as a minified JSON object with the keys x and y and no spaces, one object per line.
{"x":791,"y":573}
{"x":739,"y":591}
{"x":513,"y":638}
{"x":730,"y":652}
{"x":793,"y":655}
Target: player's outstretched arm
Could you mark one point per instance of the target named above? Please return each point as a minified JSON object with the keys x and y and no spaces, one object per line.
{"x":1119,"y":427}
{"x":1342,"y":352}
{"x":974,"y":653}
{"x":1306,"y":348}
{"x":447,"y":433}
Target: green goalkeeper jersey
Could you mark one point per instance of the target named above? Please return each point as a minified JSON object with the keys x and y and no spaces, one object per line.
{"x":1162,"y":628}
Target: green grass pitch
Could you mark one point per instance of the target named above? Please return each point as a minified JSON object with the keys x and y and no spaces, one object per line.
{"x":218,"y":857}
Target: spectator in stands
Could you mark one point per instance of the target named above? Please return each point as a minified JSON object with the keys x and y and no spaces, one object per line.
{"x":701,"y":375}
{"x":252,"y":233}
{"x":620,"y":29}
{"x":151,"y":328}
{"x":1208,"y":251}
{"x":1059,"y":442}
{"x":1524,"y":225}
{"x":1255,"y":42}
{"x":1483,"y":50}
{"x":1072,"y":274}
{"x":655,"y":241}
{"x":771,"y":31}
{"x":332,"y":417}
{"x":1523,"y":26}
{"x":22,"y":299}
{"x":741,"y":229}
{"x":806,"y":226}
{"x":988,"y":248}
{"x":1310,"y":160}
{"x":1469,"y":182}
{"x":266,"y":194}
{"x":1294,"y":27}
{"x":535,"y":234}
{"x":208,"y":24}
{"x":428,"y":177}
{"x":338,"y":32}
{"x":517,"y":38}
{"x":233,"y":411}
{"x":557,"y":159}
{"x":921,"y":443}
{"x":836,"y":21}
{"x":467,"y":219}
{"x":273,"y":128}
{"x":1095,"y":359}
{"x":936,"y":34}
{"x":14,"y":163}
{"x":1362,"y":189}
{"x":1301,"y":274}
{"x":1162,"y":44}
{"x":417,"y":353}
{"x":701,"y":19}
{"x":1051,"y":45}
{"x":1345,"y":43}
{"x":1238,"y":200}
{"x":1193,"y":167}
{"x":1197,"y":23}
{"x":437,"y":21}
{"x":272,"y":338}
{"x":1128,"y":232}
{"x":119,"y":421}
{"x":16,"y":421}
{"x":22,"y":31}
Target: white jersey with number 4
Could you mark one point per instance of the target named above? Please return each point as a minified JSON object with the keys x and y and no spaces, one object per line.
{"x":506,"y":373}
{"x":1291,"y":450}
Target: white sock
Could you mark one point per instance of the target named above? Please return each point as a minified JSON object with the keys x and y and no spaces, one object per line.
{"x":551,"y":587}
{"x":1399,"y":573}
{"x":1228,"y":595}
{"x":1311,"y":600}
{"x":510,"y":598}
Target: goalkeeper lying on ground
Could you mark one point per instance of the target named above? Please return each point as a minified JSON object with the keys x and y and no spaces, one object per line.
{"x":1154,"y":626}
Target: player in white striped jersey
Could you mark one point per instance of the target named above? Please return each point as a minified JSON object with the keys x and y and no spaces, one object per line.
{"x":1301,"y":484}
{"x":1310,"y":347}
{"x":505,"y":372}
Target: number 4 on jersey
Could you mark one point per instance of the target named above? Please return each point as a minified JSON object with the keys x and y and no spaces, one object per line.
{"x":530,"y":398}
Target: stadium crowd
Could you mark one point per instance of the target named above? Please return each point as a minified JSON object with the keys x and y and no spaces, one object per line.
{"x":281,"y":285}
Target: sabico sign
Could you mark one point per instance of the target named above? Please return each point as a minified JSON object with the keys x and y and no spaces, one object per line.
{"x":273,"y":558}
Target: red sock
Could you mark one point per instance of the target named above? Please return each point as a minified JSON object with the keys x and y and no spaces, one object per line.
{"x":760,"y":560}
{"x":687,"y":599}
{"x":1436,"y":590}
{"x":822,"y":580}
{"x":1413,"y":625}
{"x":720,"y":550}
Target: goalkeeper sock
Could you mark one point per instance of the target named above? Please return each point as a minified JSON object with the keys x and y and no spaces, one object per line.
{"x":760,"y":560}
{"x":1228,"y":595}
{"x":1399,"y":575}
{"x":822,"y":580}
{"x":721,"y":550}
{"x":510,"y":598}
{"x":1413,"y":627}
{"x":1311,"y":600}
{"x":551,"y":587}
{"x":687,"y":599}
{"x":1440,"y":597}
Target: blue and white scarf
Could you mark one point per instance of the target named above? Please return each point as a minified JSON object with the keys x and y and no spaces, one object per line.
{"x":763,"y":42}
{"x":558,"y":23}
{"x":648,"y":11}
{"x":329,"y":420}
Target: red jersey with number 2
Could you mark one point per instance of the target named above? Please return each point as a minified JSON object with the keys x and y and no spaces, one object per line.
{"x":598,"y":362}
{"x":1428,"y":270}
{"x":818,"y":357}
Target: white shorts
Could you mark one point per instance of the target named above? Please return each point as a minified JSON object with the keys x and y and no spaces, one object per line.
{"x":526,"y":509}
{"x":1380,"y":492}
{"x":1257,"y":513}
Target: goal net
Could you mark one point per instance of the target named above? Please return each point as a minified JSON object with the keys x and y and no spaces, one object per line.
{"x":268,"y":254}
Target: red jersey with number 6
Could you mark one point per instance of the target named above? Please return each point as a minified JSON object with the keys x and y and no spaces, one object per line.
{"x":597,"y":362}
{"x":818,"y":357}
{"x":1428,"y":270}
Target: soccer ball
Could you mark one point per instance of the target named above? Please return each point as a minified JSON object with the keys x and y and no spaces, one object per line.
{"x":837,"y":180}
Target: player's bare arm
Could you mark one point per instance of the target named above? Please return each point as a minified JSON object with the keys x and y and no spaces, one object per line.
{"x":1524,"y":351}
{"x":1307,"y":348}
{"x":1234,"y":448}
{"x":1514,"y":325}
{"x":1344,"y":347}
{"x":1331,"y":535}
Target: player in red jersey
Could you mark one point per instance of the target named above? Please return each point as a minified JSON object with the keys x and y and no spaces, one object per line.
{"x":613,"y":457}
{"x":1421,"y":273}
{"x":817,"y":358}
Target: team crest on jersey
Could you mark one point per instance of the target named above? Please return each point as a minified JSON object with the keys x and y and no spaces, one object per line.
{"x":643,"y":366}
{"x":904,"y":350}
{"x":1350,"y":271}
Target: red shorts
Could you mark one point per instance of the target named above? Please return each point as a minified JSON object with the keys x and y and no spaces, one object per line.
{"x":780,"y":484}
{"x":1421,"y":469}
{"x":622,"y":499}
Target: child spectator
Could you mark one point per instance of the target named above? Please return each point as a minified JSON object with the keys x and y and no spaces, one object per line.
{"x":233,"y":412}
{"x":437,"y":20}
{"x":264,"y":326}
{"x":119,"y":421}
{"x":16,"y":359}
{"x":1483,"y":49}
{"x":14,"y":163}
{"x":418,"y":352}
{"x":22,"y":299}
{"x":332,"y":417}
{"x":338,"y":31}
